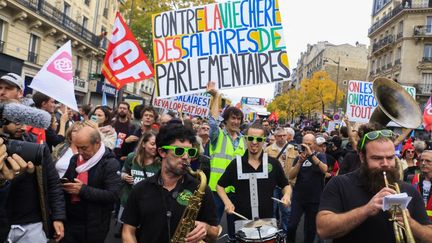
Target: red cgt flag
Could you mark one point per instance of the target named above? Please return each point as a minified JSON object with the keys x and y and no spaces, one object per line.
{"x":125,"y":62}
{"x":427,"y":115}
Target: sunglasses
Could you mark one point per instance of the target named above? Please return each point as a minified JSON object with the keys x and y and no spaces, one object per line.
{"x":410,"y":151}
{"x":375,"y":135}
{"x":256,"y":139}
{"x":180,"y":151}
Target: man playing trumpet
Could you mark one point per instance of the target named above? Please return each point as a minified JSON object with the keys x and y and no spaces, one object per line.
{"x":351,"y":205}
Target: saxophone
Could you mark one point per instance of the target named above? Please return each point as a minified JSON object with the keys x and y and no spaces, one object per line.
{"x":187,"y":221}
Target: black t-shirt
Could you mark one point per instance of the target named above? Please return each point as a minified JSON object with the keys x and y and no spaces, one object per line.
{"x":122,"y":129}
{"x":23,"y":205}
{"x":351,"y":162}
{"x":346,"y":192}
{"x":149,"y":204}
{"x":128,"y":148}
{"x":310,"y":180}
{"x":241,"y":196}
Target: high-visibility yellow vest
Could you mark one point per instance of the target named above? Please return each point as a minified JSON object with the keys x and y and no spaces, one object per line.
{"x":221,"y":155}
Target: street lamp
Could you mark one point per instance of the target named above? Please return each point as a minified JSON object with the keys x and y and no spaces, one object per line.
{"x":337,"y":78}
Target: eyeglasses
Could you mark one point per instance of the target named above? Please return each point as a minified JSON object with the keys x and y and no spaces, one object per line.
{"x":256,"y":139}
{"x":410,"y":151}
{"x":180,"y":151}
{"x":425,"y":160}
{"x":376,"y":134}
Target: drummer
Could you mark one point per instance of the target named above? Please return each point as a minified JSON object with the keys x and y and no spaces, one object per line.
{"x":253,"y":172}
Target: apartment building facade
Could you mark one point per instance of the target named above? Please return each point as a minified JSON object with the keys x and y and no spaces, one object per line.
{"x":342,"y":62}
{"x":32,"y":30}
{"x":401,"y":44}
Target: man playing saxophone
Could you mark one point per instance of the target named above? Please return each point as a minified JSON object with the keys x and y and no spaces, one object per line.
{"x":351,"y":205}
{"x":156,"y":205}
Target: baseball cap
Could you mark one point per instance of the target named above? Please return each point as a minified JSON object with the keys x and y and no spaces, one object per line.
{"x":320,"y":141}
{"x":13,"y":79}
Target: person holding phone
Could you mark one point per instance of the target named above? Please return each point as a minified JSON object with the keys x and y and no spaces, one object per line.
{"x":92,"y":190}
{"x":309,"y":169}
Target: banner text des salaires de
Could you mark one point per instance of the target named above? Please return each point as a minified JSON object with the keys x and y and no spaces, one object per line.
{"x":234,"y":44}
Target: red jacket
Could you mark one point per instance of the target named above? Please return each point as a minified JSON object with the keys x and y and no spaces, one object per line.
{"x":39,"y":132}
{"x":417,"y":181}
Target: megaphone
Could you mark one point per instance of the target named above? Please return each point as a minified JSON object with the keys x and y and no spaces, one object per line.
{"x":394,"y":104}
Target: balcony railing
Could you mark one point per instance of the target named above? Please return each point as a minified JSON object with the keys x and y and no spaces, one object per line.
{"x":423,"y":30}
{"x":425,"y":88}
{"x":383,"y":42}
{"x":52,"y":14}
{"x":427,"y":59}
{"x":2,"y":46}
{"x":397,"y":62}
{"x":394,"y":12}
{"x":32,"y":57}
{"x":105,"y":13}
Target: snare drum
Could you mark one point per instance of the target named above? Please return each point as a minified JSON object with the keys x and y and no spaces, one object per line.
{"x":265,"y":233}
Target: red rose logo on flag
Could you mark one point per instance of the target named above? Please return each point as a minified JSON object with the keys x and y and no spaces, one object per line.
{"x":62,"y":66}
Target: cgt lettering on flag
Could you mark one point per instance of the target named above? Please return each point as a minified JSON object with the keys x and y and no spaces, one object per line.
{"x":125,"y":61}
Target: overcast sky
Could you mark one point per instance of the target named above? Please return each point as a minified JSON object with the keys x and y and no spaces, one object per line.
{"x":309,"y":21}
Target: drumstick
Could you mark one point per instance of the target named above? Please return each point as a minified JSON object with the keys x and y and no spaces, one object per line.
{"x":240,"y":216}
{"x":278,"y":200}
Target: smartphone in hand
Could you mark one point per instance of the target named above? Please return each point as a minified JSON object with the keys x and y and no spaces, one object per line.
{"x":64,"y":180}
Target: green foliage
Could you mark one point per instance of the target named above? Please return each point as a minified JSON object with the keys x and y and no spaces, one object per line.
{"x":315,"y":94}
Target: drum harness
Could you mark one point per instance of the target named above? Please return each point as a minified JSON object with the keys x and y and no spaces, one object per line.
{"x":253,"y":182}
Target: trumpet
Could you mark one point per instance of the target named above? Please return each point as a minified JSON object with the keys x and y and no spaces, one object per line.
{"x":403,"y":232}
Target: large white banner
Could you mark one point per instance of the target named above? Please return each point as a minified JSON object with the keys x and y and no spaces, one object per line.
{"x":234,"y":43}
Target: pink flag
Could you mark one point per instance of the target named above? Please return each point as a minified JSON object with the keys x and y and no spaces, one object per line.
{"x":427,"y":115}
{"x":55,"y":79}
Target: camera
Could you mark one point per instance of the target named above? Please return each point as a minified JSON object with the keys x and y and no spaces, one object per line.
{"x":26,"y":150}
{"x":299,"y":148}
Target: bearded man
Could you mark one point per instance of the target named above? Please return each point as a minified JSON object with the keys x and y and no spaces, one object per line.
{"x":122,"y":126}
{"x":353,"y":202}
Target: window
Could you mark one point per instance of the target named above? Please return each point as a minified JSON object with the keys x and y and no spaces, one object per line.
{"x":400,"y":27}
{"x":398,"y":55}
{"x":87,"y":2}
{"x":1,"y":36}
{"x":427,"y":82}
{"x":33,"y":48}
{"x":67,"y":9}
{"x":427,"y":53}
{"x":429,"y":25}
{"x":85,"y":22}
{"x":78,"y":66}
{"x":389,"y":59}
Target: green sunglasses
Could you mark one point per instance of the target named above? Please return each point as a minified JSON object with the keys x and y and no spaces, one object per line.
{"x":376,"y":134}
{"x":256,"y":139}
{"x":180,"y":151}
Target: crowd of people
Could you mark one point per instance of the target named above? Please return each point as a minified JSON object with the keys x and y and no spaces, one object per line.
{"x":101,"y":161}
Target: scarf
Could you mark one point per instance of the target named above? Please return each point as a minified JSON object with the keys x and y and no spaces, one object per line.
{"x":84,"y":166}
{"x":92,"y":161}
